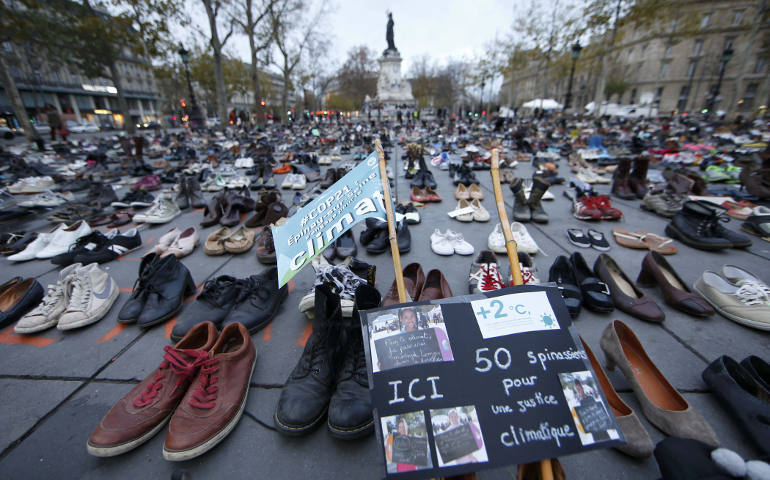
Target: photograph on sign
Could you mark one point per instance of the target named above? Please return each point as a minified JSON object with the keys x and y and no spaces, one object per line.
{"x":514,"y":313}
{"x":591,"y":415}
{"x":407,"y":336}
{"x":457,"y":436}
{"x":406,"y":442}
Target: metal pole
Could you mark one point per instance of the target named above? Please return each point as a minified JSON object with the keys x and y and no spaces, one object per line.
{"x":715,"y":92}
{"x":568,"y":101}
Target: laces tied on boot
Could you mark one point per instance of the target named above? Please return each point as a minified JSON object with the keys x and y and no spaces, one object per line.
{"x":205,"y":395}
{"x":184,"y":363}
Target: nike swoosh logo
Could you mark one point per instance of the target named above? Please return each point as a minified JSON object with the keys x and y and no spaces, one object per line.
{"x":106,"y":292}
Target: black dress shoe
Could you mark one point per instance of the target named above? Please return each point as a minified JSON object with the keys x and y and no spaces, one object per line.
{"x":19,"y":298}
{"x":379,"y":241}
{"x":404,"y":237}
{"x":261,"y":299}
{"x":305,"y":397}
{"x":169,"y":285}
{"x":561,"y":273}
{"x":743,"y":397}
{"x":350,"y":407}
{"x":373,"y":227}
{"x":687,"y":459}
{"x":218,"y":298}
{"x":759,"y":369}
{"x":133,"y":306}
{"x":418,"y":180}
{"x":595,"y":293}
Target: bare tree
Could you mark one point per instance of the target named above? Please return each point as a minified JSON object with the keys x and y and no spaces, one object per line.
{"x":215,"y":8}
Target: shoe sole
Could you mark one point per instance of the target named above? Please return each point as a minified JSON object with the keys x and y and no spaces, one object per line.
{"x":730,"y":316}
{"x":128,"y":446}
{"x":674,"y":233}
{"x":37,"y":328}
{"x":497,"y":249}
{"x":350,"y":434}
{"x":187,"y":454}
{"x":157,"y":221}
{"x":298,"y":431}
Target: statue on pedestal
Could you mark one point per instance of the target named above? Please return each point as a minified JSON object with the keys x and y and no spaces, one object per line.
{"x":389,"y":36}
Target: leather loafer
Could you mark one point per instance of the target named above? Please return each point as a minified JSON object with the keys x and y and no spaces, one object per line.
{"x":414,"y":280}
{"x":657,"y":271}
{"x":435,"y":288}
{"x":18,"y":298}
{"x":625,"y":294}
{"x":661,"y":403}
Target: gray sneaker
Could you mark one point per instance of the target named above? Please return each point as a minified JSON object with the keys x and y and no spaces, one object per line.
{"x":46,"y":315}
{"x":664,"y":204}
{"x":164,"y":210}
{"x":747,"y":303}
{"x":93,"y":294}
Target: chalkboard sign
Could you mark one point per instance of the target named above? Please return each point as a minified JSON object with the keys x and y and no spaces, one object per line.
{"x":593,"y":416}
{"x":408,"y":348}
{"x":411,"y":450}
{"x":456,"y":443}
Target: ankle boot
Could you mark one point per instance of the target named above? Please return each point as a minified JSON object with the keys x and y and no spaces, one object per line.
{"x":694,"y":225}
{"x":170,"y":284}
{"x":134,"y":305}
{"x":194,"y":193}
{"x":306,"y":395}
{"x":620,"y":184}
{"x":182,"y":196}
{"x":637,"y":180}
{"x":350,"y":407}
{"x":521,"y":211}
{"x":539,"y":187}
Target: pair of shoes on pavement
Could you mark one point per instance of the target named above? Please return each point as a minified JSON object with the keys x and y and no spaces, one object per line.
{"x":200,"y":389}
{"x":82,"y":295}
{"x":99,"y":247}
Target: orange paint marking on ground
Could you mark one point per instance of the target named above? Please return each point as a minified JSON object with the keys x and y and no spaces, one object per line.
{"x":305,"y":334}
{"x":169,"y":326}
{"x":267,"y":333}
{"x":198,"y":210}
{"x":114,"y":331}
{"x":7,"y":337}
{"x":291,"y":285}
{"x":127,"y":289}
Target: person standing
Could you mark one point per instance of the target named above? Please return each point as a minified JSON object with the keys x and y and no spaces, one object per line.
{"x":54,"y":121}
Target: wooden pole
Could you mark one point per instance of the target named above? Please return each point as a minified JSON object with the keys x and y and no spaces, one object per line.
{"x":391,"y":224}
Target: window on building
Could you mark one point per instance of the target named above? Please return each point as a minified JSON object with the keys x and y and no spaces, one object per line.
{"x":691,"y":69}
{"x":705,"y":20}
{"x":632,"y":100}
{"x":737,"y":17}
{"x":747,"y":102}
{"x":669,"y":49}
{"x":698,"y":47}
{"x":681,"y":105}
{"x":674,"y":24}
{"x":759,"y":67}
{"x":729,"y":41}
{"x":664,"y":70}
{"x":659,"y":95}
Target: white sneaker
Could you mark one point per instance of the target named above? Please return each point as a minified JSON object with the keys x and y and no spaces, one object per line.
{"x":440,"y":244}
{"x":163,"y":211}
{"x":48,"y":199}
{"x":93,"y":294}
{"x":47,"y":314}
{"x":63,"y":239}
{"x":496,"y":240}
{"x":461,"y":247}
{"x":288,"y":181}
{"x":300,"y":182}
{"x":244,"y":162}
{"x":37,"y":245}
{"x":524,"y":240}
{"x":32,"y":185}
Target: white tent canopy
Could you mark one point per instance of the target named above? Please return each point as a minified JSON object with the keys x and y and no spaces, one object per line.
{"x":545,"y":104}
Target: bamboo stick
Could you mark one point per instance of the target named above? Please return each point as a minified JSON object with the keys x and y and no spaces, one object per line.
{"x":391,"y":223}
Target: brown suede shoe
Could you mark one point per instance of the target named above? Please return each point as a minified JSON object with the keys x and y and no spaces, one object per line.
{"x":414,"y":279}
{"x":216,"y":398}
{"x":661,"y":403}
{"x":625,"y":294}
{"x":143,"y":411}
{"x":435,"y":287}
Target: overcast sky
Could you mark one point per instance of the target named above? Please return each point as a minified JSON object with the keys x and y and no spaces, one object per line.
{"x":442,"y":29}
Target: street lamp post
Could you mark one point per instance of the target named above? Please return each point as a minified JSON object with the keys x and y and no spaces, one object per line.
{"x":196,"y":117}
{"x":726,"y":55}
{"x":576,"y":48}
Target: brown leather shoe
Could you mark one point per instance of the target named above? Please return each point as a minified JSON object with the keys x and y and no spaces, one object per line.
{"x":638,"y":441}
{"x":435,"y":287}
{"x":212,"y":212}
{"x":143,"y":411}
{"x":661,"y":403}
{"x":265,"y":247}
{"x":414,"y":279}
{"x":621,"y":187}
{"x":216,"y":398}
{"x":625,"y":295}
{"x":657,"y":271}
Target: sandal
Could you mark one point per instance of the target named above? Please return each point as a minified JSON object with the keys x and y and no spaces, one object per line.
{"x":625,"y":238}
{"x":656,"y":243}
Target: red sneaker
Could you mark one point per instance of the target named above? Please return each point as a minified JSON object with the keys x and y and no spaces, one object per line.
{"x":583,"y":208}
{"x":608,"y":212}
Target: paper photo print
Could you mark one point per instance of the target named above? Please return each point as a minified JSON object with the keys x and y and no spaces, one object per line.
{"x":406,"y":442}
{"x":457,"y":436}
{"x":412,"y":335}
{"x":591,"y":415}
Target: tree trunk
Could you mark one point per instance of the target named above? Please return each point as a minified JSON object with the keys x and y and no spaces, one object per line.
{"x":745,"y":56}
{"x":285,"y":90}
{"x":128,"y":124}
{"x":599,"y":94}
{"x":216,"y":46}
{"x":16,"y":102}
{"x":258,"y":109}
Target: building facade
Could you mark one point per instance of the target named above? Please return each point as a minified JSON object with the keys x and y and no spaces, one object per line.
{"x":673,"y":71}
{"x":76,"y":97}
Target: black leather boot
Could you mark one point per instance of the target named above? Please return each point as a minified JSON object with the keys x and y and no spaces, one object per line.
{"x":695,"y":225}
{"x":260,"y":301}
{"x":168,"y":286}
{"x":521,"y":211}
{"x":305,"y":397}
{"x":135,"y":303}
{"x":350,"y":408}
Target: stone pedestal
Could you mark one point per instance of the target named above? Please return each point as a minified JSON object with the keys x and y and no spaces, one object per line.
{"x":393,"y":91}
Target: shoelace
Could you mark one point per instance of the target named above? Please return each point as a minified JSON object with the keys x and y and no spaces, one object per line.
{"x":752,"y":293}
{"x":490,"y":278}
{"x":205,"y":395}
{"x":55,"y":293}
{"x":81,"y":293}
{"x":178,"y":361}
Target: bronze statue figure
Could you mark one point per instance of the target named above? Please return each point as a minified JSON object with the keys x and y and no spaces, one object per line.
{"x":389,"y":33}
